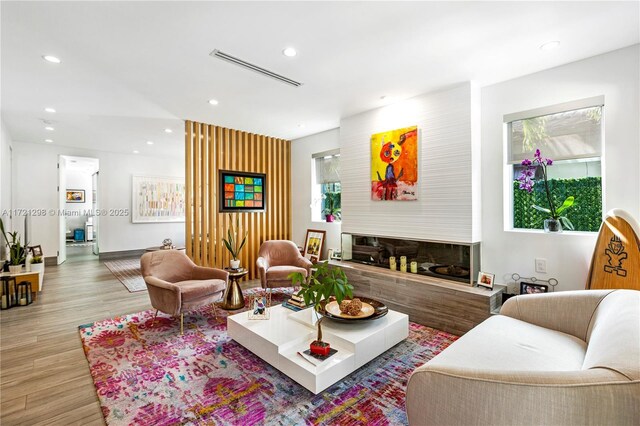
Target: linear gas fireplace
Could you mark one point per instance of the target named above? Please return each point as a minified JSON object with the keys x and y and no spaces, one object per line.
{"x":458,"y":262}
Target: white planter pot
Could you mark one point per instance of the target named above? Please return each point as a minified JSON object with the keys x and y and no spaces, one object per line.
{"x":15,"y":269}
{"x":39,"y":268}
{"x":235,"y":264}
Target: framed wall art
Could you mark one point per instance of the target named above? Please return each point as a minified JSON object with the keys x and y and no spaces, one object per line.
{"x":75,"y":196}
{"x":242,"y":191}
{"x":394,"y":165}
{"x":313,"y":244}
{"x":157,"y":199}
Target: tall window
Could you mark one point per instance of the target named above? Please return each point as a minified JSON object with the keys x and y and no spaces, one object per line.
{"x":571,"y":135}
{"x":326,"y":190}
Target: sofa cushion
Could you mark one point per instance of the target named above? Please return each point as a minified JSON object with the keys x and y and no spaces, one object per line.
{"x":280,"y":273}
{"x":192,"y":290}
{"x":614,"y":336}
{"x":505,"y":344}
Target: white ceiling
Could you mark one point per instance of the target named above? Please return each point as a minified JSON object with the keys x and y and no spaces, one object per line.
{"x":131,"y":69}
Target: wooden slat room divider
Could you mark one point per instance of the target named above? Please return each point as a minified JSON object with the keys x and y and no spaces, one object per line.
{"x":210,"y":148}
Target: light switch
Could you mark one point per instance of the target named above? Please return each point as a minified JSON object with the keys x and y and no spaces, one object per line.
{"x":541,"y":265}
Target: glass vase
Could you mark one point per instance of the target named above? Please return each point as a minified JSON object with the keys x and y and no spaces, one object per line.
{"x":552,"y":225}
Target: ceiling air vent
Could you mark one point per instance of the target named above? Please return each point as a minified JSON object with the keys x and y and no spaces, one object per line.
{"x":226,"y":57}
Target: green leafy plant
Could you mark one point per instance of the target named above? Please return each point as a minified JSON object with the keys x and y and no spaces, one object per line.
{"x":232,"y":242}
{"x":36,"y":259}
{"x":324,"y":282}
{"x":17,"y":250}
{"x":332,"y":204}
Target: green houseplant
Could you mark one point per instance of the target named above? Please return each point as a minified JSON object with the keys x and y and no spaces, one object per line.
{"x":323,"y":283}
{"x":332,"y":206}
{"x":556,"y":221}
{"x":233,"y":243}
{"x":17,"y":250}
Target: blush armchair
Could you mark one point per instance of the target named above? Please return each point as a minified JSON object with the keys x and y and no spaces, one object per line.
{"x":277,"y":259}
{"x":177,"y":285}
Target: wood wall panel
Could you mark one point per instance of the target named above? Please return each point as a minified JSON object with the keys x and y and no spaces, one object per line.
{"x":210,"y":148}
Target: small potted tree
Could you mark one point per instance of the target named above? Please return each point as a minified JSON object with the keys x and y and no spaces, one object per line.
{"x":324,"y":283}
{"x":332,"y":206}
{"x":17,"y":250}
{"x":233,"y":244}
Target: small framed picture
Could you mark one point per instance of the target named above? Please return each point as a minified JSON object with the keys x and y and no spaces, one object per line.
{"x":75,"y":195}
{"x":313,"y":244}
{"x":259,"y":306}
{"x":313,"y":259}
{"x":485,"y":279}
{"x":36,"y":250}
{"x":531,"y":288}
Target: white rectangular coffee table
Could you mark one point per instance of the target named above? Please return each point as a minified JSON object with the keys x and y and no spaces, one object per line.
{"x":278,"y":340}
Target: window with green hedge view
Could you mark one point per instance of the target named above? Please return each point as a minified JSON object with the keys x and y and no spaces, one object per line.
{"x":569,"y":137}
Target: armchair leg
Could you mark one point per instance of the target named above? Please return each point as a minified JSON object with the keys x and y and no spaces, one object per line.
{"x":181,"y":324}
{"x":215,"y":310}
{"x":154,"y":318}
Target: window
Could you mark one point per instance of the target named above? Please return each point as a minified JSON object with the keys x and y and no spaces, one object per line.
{"x":326,"y":190}
{"x":571,"y":135}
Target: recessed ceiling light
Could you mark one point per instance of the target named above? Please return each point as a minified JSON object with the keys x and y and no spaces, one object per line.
{"x":149,"y":142}
{"x":49,"y":128}
{"x":382,"y":98}
{"x":168,"y":131}
{"x":550,"y":45}
{"x":213,"y":102}
{"x":51,"y":110}
{"x":49,"y":140}
{"x":135,"y":151}
{"x":290,"y":52}
{"x":51,"y":59}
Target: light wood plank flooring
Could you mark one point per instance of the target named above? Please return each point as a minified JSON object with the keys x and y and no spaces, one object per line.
{"x":44,"y":375}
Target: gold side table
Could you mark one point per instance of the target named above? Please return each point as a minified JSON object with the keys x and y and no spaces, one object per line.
{"x":233,"y":298}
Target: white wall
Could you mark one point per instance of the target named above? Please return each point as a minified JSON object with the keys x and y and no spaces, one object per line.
{"x":37,"y":179}
{"x":5,"y":181}
{"x":301,"y":180}
{"x":448,"y":133}
{"x":615,"y":75}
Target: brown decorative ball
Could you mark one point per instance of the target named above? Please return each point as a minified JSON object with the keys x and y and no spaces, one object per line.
{"x":351,"y":307}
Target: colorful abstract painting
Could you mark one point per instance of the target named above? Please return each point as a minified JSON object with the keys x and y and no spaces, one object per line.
{"x":242,"y":191}
{"x":157,"y":199}
{"x":394,"y":165}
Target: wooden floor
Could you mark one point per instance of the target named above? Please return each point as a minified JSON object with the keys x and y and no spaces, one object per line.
{"x":44,"y":375}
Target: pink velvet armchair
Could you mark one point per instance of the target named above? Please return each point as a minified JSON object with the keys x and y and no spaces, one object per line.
{"x":177,"y":285}
{"x":277,"y":259}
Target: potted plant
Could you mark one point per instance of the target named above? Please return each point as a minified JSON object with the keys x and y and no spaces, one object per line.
{"x":555,"y":222}
{"x":233,"y":244}
{"x":332,"y":206}
{"x":17,"y":250}
{"x":323,"y":283}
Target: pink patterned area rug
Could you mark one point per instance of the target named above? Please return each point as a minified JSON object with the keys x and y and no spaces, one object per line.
{"x":148,"y":374}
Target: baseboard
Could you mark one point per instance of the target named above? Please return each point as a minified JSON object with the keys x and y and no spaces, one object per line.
{"x":124,"y":254}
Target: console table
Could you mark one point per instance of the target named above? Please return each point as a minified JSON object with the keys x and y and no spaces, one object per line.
{"x":435,"y":302}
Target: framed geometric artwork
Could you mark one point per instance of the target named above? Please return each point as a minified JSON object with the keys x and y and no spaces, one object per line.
{"x":157,"y":199}
{"x":242,"y":191}
{"x":394,"y":165}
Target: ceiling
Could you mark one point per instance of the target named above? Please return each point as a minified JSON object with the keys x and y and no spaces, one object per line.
{"x":131,"y":69}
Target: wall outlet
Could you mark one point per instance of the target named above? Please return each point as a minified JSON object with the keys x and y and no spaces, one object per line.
{"x":541,"y":265}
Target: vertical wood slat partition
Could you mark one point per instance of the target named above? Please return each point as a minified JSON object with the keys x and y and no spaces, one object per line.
{"x":210,"y":148}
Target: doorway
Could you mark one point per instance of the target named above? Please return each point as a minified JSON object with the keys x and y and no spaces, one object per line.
{"x":78,"y":195}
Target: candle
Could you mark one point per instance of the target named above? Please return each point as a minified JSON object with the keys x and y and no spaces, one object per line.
{"x":403,"y":267}
{"x":414,"y":267}
{"x":23,"y":301}
{"x":403,"y":260}
{"x":4,"y":302}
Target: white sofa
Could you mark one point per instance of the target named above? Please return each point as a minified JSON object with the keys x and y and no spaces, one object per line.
{"x":566,"y":358}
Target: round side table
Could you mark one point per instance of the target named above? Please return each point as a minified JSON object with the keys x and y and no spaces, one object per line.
{"x":233,"y":298}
